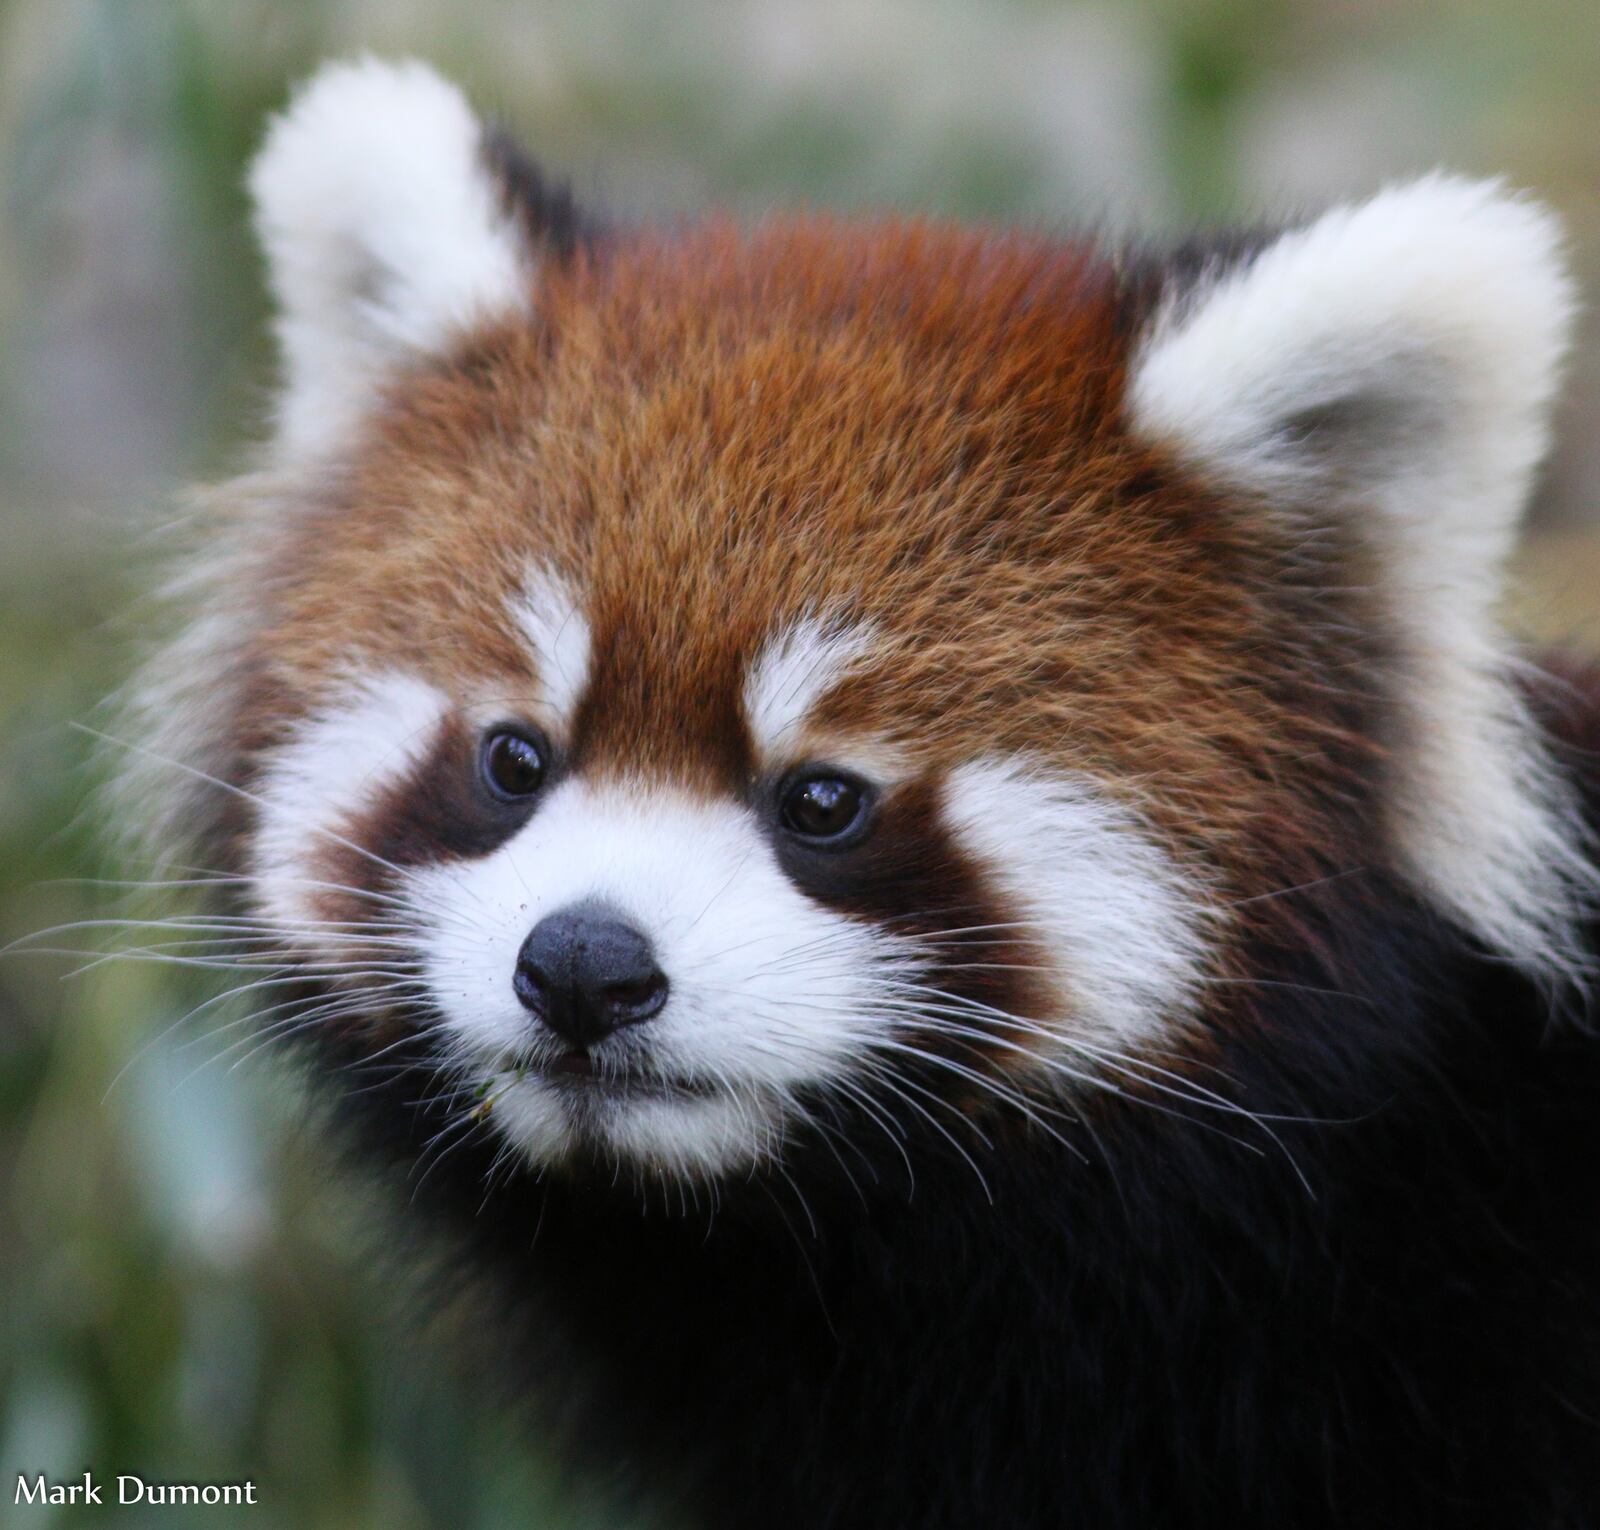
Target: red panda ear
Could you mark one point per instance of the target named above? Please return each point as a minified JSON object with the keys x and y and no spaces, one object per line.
{"x":1401,"y":353}
{"x":1393,"y":363}
{"x":391,"y":221}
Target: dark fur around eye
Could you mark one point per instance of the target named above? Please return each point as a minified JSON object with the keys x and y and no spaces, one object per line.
{"x":907,"y":874}
{"x":898,"y":859}
{"x":449,"y":808}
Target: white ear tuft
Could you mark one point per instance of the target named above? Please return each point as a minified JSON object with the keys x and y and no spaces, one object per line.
{"x":1397,"y":360}
{"x":384,"y":232}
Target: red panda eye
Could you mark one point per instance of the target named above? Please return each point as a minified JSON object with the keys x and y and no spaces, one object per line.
{"x":823,"y":806}
{"x":513,"y":764}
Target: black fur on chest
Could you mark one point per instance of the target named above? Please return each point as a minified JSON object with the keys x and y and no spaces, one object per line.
{"x":1354,"y":1282}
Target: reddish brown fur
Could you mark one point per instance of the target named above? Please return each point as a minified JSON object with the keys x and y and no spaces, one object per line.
{"x":712,"y":433}
{"x":912,"y":424}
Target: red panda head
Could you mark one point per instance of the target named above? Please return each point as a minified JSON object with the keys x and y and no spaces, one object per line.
{"x":692,"y":680}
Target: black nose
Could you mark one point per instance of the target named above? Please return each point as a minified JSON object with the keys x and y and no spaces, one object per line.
{"x":586,"y":973}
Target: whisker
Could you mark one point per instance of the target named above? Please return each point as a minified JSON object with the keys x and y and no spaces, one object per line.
{"x":894,"y":1086}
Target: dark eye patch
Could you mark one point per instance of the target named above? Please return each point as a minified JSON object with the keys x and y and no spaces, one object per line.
{"x":446,"y":808}
{"x":910,"y":876}
{"x":907,"y":872}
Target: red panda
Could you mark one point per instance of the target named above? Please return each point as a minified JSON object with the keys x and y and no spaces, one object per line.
{"x":921,"y":843}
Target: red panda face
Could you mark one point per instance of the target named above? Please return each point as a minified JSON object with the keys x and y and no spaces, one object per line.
{"x":696,"y":684}
{"x":724,"y":610}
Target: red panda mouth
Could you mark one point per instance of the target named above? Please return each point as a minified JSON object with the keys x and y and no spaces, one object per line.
{"x":578,"y":1074}
{"x":571,"y":1065}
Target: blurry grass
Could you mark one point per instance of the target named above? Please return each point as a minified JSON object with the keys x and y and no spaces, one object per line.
{"x":186,"y":1290}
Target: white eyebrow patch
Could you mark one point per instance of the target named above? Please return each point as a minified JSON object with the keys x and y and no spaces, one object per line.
{"x":548,"y":613}
{"x":795,"y":669}
{"x":335,"y":762}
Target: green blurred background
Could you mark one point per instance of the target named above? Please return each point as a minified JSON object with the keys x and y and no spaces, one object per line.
{"x":184,"y":1284}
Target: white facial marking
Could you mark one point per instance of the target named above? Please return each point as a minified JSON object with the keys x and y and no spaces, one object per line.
{"x":768,"y":991}
{"x":1120,"y":922}
{"x":793,"y":672}
{"x":384,"y":234}
{"x":1399,"y":358}
{"x":336,"y":761}
{"x":548,"y":613}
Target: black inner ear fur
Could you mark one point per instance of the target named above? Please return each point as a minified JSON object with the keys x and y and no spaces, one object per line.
{"x":1153,"y":276}
{"x":1371,"y":431}
{"x":544,"y":209}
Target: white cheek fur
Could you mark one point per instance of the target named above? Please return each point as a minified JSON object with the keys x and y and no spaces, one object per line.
{"x":335,"y":763}
{"x":1123,"y":925}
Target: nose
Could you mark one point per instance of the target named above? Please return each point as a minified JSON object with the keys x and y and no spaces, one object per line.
{"x":586,"y":972}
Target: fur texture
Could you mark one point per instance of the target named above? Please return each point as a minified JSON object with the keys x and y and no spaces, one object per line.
{"x":1040,"y":710}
